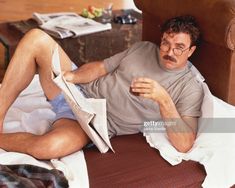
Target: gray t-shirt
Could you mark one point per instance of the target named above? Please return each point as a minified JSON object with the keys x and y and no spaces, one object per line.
{"x":126,"y":112}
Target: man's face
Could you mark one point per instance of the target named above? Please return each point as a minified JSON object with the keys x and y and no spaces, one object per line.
{"x":175,"y":50}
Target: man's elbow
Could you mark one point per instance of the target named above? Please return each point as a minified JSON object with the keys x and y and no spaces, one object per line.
{"x":185,"y":145}
{"x":184,"y":148}
{"x":102,"y":69}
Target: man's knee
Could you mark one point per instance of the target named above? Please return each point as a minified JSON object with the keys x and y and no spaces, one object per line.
{"x":37,"y":33}
{"x":38,"y":38}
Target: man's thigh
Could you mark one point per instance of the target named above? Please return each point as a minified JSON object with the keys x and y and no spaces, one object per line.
{"x":67,"y":136}
{"x":71,"y":128}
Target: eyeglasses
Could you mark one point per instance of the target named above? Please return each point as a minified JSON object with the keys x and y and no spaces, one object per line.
{"x":177,"y":51}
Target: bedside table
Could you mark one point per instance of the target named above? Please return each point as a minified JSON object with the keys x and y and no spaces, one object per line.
{"x":82,"y":49}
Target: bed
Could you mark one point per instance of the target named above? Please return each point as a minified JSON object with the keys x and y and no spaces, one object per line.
{"x":135,"y":164}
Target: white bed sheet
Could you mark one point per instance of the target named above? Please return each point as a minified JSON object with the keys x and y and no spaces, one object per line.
{"x":32,"y":113}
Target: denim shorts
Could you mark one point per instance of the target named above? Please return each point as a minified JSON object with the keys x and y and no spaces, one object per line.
{"x":61,"y":108}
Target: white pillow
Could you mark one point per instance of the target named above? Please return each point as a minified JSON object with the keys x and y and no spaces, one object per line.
{"x":216,"y":127}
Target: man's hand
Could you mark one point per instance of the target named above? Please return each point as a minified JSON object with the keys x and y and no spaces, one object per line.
{"x":86,"y":73}
{"x":148,"y":88}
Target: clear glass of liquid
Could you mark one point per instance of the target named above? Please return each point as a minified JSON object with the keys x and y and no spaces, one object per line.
{"x":107,"y":13}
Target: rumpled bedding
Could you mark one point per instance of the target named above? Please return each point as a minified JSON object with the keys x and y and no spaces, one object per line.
{"x":214,"y":147}
{"x":32,"y":113}
{"x":29,"y":176}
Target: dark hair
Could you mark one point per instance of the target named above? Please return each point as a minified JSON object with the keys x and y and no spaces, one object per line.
{"x":183,"y":24}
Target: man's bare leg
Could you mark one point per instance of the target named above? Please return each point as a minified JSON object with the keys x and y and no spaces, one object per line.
{"x":34,"y":53}
{"x":65,"y":138}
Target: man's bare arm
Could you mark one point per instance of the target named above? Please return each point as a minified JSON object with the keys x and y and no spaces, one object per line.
{"x":181,"y":130}
{"x":87,"y":72}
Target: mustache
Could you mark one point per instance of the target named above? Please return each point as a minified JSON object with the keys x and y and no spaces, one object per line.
{"x":167,"y":57}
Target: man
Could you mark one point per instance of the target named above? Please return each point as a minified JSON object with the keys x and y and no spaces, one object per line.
{"x":141,"y":84}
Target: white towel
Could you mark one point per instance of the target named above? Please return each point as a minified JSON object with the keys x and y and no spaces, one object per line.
{"x":32,"y":113}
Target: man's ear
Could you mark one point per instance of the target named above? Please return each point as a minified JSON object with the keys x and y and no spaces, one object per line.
{"x":192,"y":49}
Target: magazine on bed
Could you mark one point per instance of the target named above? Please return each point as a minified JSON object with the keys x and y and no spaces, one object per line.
{"x":89,"y":112}
{"x":68,"y":24}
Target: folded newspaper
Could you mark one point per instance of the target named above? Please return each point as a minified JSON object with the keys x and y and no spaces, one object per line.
{"x":68,"y":24}
{"x":90,"y":113}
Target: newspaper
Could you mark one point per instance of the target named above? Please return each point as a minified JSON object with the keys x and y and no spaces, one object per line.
{"x":68,"y":24}
{"x":43,"y":18}
{"x":89,"y":112}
